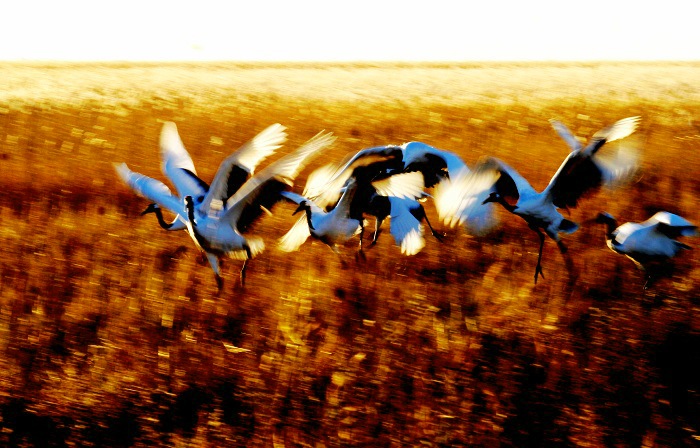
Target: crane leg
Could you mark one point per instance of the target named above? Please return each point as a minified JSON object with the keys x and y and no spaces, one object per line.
{"x":249,"y":255}
{"x":538,"y":268}
{"x":562,"y":247}
{"x":378,"y":224}
{"x":437,"y":235}
{"x":360,"y":253}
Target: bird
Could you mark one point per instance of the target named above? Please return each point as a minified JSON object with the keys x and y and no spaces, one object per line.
{"x":435,"y":164}
{"x":406,"y":225}
{"x":650,"y":243}
{"x":581,"y":172}
{"x":221,"y":234}
{"x":381,"y":190}
{"x":219,"y":231}
{"x":332,"y":227}
{"x":335,"y":223}
{"x":232,"y":173}
{"x":451,"y":178}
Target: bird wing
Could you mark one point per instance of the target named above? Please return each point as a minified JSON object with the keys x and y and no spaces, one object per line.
{"x":368,"y":162}
{"x":298,"y":199}
{"x":402,"y":185}
{"x":283,"y":170}
{"x":177,"y":164}
{"x":616,"y":131}
{"x":459,"y":200}
{"x":671,"y":225}
{"x":617,"y":164}
{"x":510,"y":184}
{"x":623,"y":232}
{"x":322,"y":187}
{"x":246,"y":158}
{"x":149,"y":188}
{"x":383,"y":157}
{"x":646,"y":239}
{"x":405,"y":228}
{"x":416,"y":151}
{"x":585,"y":170}
{"x":296,"y":236}
{"x":434,"y":163}
{"x":566,"y":135}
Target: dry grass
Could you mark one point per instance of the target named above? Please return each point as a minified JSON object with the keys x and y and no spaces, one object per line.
{"x":112,"y":332}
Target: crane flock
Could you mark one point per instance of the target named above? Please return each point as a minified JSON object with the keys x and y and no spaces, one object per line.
{"x":395,"y":181}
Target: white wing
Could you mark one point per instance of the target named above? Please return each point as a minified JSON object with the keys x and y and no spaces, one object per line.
{"x":149,"y":188}
{"x":284,"y":169}
{"x":322,"y":187}
{"x":675,"y":224}
{"x":405,"y":228}
{"x":617,"y":164}
{"x":622,"y":233}
{"x":177,"y":164}
{"x":585,"y":170}
{"x":510,"y":182}
{"x":616,"y":131}
{"x":566,"y":135}
{"x":403,"y":185}
{"x":645,"y":239}
{"x":459,"y":200}
{"x":328,"y":192}
{"x":247,"y":157}
{"x":261,"y":146}
{"x":296,"y":236}
{"x":298,"y":199}
{"x":670,"y":219}
{"x":417,"y":151}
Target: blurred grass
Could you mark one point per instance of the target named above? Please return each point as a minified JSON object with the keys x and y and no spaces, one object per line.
{"x":112,"y":332}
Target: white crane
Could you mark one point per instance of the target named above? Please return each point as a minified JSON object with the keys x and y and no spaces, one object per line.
{"x":380,"y":189}
{"x":333,"y":228}
{"x":219,"y":231}
{"x":582,"y":171}
{"x":232,"y":173}
{"x":457,"y":200}
{"x":650,"y":243}
{"x":394,"y":193}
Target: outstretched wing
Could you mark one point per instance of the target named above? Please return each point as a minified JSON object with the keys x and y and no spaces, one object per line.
{"x":405,"y":228}
{"x":283,"y":170}
{"x":402,"y":185}
{"x":149,"y":188}
{"x":367,"y":164}
{"x":510,"y":184}
{"x":585,"y":170}
{"x":296,"y":236}
{"x":566,"y":135}
{"x":177,"y":164}
{"x":434,"y":163}
{"x":459,"y":200}
{"x":671,"y":225}
{"x":616,"y":131}
{"x":322,"y":187}
{"x":235,"y":169}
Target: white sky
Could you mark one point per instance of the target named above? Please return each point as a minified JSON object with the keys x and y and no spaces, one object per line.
{"x":316,"y":30}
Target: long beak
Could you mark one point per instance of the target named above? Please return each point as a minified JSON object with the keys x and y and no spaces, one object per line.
{"x":299,"y":209}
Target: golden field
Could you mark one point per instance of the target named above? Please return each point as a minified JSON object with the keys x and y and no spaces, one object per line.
{"x":112,"y":332}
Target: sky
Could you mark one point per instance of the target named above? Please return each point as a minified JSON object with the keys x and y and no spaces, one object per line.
{"x":357,"y":30}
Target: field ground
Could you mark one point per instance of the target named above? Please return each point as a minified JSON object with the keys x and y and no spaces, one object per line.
{"x":112,"y":332}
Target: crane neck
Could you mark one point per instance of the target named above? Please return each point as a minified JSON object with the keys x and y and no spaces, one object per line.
{"x":510,"y":207}
{"x":307,"y":211}
{"x":161,"y":221}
